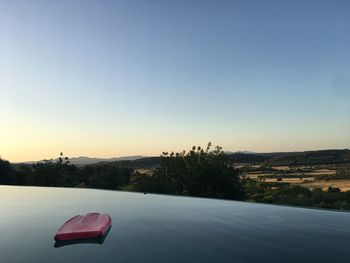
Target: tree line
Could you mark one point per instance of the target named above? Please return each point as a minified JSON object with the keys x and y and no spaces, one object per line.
{"x":201,"y":172}
{"x":198,"y":172}
{"x":285,"y":194}
{"x":60,"y":173}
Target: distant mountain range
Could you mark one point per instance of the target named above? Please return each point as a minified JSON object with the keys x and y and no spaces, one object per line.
{"x":317,"y":157}
{"x":273,"y":158}
{"x":83,"y":160}
{"x":243,"y":152}
{"x":320,"y":157}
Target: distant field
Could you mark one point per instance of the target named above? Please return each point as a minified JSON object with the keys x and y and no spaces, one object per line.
{"x":291,"y":173}
{"x":322,"y":172}
{"x":144,"y":171}
{"x":291,"y":180}
{"x":281,"y":168}
{"x":311,"y":183}
{"x":301,"y":175}
{"x":342,"y":184}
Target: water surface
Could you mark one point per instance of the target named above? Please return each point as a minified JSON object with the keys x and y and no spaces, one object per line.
{"x":158,"y":228}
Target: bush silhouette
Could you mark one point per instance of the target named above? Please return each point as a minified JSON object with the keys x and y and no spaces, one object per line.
{"x":198,"y":172}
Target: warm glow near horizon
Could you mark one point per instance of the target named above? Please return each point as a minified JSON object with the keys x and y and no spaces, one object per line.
{"x":34,"y":146}
{"x":118,"y":79}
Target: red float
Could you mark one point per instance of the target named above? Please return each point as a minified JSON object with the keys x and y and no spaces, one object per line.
{"x":89,"y":226}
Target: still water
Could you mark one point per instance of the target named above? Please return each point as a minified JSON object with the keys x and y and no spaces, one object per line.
{"x":158,"y":228}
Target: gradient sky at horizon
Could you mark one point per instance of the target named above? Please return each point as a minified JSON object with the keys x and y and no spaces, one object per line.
{"x":117,"y":78}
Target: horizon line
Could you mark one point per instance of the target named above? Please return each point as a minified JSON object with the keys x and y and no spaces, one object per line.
{"x":149,"y":156}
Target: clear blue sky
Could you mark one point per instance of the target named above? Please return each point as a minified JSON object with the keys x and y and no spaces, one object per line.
{"x":112,"y":78}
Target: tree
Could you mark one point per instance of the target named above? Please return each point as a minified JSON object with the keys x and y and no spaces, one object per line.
{"x":54,"y":173}
{"x":108,"y":176}
{"x":343,"y":172}
{"x":198,"y":172}
{"x":8,"y":175}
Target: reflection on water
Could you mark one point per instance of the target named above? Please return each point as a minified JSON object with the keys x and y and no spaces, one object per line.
{"x":157,"y":228}
{"x":98,"y":240}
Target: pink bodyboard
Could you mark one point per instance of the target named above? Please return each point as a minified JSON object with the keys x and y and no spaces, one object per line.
{"x":89,"y":226}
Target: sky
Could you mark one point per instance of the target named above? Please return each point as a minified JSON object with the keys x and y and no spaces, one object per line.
{"x":118,"y":78}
